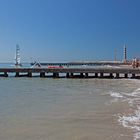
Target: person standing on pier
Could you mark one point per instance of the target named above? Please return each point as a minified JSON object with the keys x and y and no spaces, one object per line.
{"x":135,"y":63}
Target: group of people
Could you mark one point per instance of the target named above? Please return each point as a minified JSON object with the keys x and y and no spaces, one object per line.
{"x":135,"y":63}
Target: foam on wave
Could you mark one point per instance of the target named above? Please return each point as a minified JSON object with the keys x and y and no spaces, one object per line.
{"x":116,"y":94}
{"x":131,"y":121}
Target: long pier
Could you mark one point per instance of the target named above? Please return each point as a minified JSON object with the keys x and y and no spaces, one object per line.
{"x":101,"y":72}
{"x":94,"y":63}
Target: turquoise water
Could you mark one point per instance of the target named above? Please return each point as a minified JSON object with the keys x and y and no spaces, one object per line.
{"x":68,"y":109}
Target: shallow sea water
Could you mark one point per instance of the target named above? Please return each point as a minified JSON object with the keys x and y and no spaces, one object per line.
{"x":69,"y":109}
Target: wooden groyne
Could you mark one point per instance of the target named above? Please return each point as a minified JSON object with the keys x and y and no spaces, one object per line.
{"x":106,"y":72}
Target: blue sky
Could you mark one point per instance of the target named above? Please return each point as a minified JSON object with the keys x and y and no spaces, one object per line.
{"x":69,"y":30}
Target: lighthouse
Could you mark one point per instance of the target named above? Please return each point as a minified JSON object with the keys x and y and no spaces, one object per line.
{"x":124,"y":54}
{"x":17,"y":56}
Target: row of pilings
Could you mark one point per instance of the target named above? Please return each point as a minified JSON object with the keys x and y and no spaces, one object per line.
{"x":74,"y":75}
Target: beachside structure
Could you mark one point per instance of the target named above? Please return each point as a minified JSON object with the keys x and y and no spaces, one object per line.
{"x":124,"y":54}
{"x":17,"y":57}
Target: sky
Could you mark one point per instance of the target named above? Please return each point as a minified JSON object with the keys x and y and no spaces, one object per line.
{"x":69,"y":30}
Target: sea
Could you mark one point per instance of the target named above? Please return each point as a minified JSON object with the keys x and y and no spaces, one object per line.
{"x":69,"y":109}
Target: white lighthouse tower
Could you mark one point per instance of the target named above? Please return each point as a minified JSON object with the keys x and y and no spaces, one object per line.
{"x":17,"y":56}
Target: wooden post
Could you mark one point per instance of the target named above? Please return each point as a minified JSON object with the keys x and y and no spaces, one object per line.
{"x":55,"y":75}
{"x":96,"y":75}
{"x":42,"y":74}
{"x":101,"y":75}
{"x":67,"y":75}
{"x":86,"y":75}
{"x":117,"y":75}
{"x":111,"y":75}
{"x":17,"y":74}
{"x":5,"y":74}
{"x":29,"y":74}
{"x":81,"y":75}
{"x":71,"y":75}
{"x":133,"y":75}
{"x":126,"y":75}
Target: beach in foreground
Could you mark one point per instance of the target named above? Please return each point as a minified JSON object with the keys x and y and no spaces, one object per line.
{"x":65,"y":109}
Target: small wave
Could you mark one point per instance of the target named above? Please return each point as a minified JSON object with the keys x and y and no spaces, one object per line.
{"x":137,"y":136}
{"x":116,"y":94}
{"x":136,"y":92}
{"x":132,"y":121}
{"x":129,"y":97}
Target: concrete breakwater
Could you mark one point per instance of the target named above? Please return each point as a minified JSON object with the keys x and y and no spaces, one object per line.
{"x":110,"y":72}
